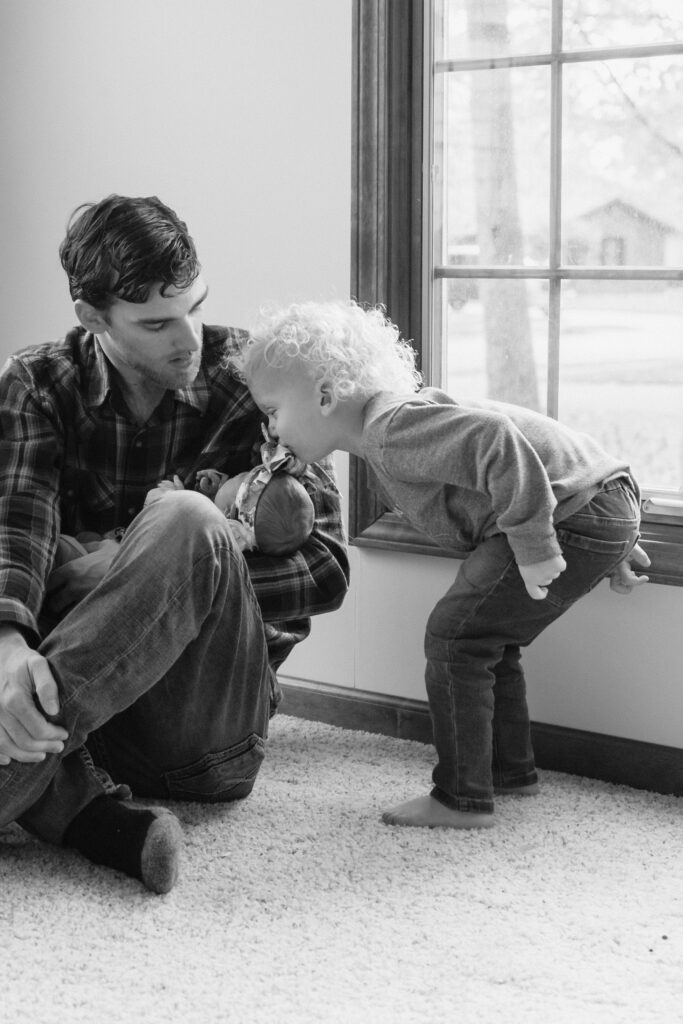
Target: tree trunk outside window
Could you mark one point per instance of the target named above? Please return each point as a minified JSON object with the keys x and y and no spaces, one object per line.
{"x":510,"y":365}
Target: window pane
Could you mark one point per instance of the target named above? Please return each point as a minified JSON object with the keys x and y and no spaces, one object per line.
{"x":491,"y":28}
{"x":495,"y":339}
{"x":621,"y":372}
{"x":622,"y":162}
{"x":492,"y":184}
{"x":591,"y":23}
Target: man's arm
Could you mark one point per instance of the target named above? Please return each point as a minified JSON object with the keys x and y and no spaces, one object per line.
{"x":30,"y":451}
{"x":316,"y":578}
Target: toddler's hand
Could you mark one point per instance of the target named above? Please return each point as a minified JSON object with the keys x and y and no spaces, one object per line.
{"x":622,"y":579}
{"x":538,"y":577}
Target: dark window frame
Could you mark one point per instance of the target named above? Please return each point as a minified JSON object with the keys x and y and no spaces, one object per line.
{"x":387,"y":240}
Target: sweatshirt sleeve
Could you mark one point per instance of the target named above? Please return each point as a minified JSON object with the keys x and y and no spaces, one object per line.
{"x":480,"y":454}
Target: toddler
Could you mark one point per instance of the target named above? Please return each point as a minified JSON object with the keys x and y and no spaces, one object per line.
{"x":539,"y":512}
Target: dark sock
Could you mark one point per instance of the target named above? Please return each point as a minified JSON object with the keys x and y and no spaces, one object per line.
{"x":143,"y":842}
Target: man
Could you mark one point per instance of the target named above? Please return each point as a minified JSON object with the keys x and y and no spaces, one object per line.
{"x":148,"y":663}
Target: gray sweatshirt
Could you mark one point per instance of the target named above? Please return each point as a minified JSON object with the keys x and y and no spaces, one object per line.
{"x":462,"y":472}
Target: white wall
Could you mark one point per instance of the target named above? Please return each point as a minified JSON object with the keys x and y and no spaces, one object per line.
{"x":237,"y":113}
{"x":612,"y":664}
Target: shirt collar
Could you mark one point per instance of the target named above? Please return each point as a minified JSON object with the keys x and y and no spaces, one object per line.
{"x":100,"y":383}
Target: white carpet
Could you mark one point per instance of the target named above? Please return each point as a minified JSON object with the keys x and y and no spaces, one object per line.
{"x":298,"y":905}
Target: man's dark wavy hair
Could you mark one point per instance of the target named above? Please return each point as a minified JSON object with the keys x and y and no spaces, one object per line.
{"x":122,"y":246}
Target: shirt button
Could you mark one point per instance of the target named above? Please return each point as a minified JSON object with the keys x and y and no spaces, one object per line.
{"x":131,"y":511}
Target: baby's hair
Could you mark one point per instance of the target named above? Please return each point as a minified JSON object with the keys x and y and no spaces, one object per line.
{"x":356,"y":351}
{"x":284,"y":516}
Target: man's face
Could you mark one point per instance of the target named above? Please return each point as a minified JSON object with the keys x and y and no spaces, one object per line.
{"x":157,"y":342}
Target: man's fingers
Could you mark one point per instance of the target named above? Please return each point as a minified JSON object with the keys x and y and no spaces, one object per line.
{"x":45,"y":687}
{"x":28,"y":728}
{"x":32,"y":732}
{"x":33,"y":753}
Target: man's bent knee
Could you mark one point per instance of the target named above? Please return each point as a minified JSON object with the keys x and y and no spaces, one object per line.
{"x":182,"y":521}
{"x":221,"y":776}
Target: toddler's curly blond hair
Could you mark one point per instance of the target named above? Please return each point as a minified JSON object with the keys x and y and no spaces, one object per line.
{"x":356,"y":351}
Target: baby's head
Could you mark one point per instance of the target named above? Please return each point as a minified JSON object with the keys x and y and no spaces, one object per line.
{"x":355,"y":351}
{"x":277,"y":508}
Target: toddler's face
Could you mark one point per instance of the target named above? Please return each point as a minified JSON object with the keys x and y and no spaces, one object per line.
{"x":290,"y":398}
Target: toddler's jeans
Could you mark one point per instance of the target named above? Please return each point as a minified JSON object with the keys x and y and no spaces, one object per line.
{"x":475,"y":682}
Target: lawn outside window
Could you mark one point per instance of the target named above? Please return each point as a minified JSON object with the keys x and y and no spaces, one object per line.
{"x":518,"y":208}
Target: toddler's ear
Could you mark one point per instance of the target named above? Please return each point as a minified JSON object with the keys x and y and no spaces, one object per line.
{"x":326,"y":396}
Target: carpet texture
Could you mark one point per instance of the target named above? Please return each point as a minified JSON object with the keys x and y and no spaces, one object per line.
{"x":298,"y":905}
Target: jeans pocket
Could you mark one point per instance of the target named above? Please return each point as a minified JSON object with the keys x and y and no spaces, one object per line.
{"x":221,"y":776}
{"x":589,"y":560}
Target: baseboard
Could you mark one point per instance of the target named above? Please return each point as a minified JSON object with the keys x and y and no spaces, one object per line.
{"x":594,"y":755}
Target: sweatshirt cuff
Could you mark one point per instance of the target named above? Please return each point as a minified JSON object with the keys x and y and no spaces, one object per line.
{"x":529,"y":551}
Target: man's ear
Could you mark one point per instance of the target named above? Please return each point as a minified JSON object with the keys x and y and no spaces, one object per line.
{"x":92,"y":319}
{"x":326,"y":397}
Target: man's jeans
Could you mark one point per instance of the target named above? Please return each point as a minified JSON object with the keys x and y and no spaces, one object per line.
{"x":475,"y":682}
{"x":163,"y":675}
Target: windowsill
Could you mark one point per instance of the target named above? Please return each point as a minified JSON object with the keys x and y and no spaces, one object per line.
{"x":661,"y":539}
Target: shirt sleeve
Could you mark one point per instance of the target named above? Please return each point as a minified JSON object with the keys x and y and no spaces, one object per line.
{"x":30,"y":456}
{"x":477,"y":452}
{"x":316,"y":577}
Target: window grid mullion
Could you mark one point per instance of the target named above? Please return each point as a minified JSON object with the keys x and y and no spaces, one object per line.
{"x":555,"y":215}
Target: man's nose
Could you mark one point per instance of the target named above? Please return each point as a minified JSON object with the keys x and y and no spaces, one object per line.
{"x":189,"y":334}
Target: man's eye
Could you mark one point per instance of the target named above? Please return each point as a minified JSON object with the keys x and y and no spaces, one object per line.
{"x":155,"y":327}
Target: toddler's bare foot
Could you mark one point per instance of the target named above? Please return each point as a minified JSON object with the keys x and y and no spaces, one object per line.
{"x":426,"y":812}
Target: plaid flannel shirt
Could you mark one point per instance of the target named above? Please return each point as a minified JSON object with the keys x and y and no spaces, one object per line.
{"x":71,"y":460}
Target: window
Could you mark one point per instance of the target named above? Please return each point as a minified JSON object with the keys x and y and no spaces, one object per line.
{"x":538,"y":258}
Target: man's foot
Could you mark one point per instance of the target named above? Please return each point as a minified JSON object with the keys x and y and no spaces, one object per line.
{"x":530,"y":790}
{"x":426,"y":812}
{"x":143,"y":842}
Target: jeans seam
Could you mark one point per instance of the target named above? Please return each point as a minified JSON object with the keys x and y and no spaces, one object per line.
{"x":483,"y":596}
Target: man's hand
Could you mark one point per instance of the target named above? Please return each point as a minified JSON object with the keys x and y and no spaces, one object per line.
{"x":72,"y":581}
{"x":622,"y":579}
{"x":27,"y":687}
{"x":538,"y":577}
